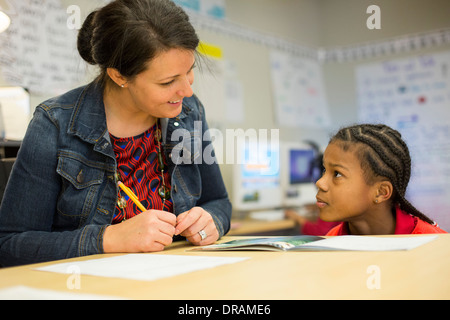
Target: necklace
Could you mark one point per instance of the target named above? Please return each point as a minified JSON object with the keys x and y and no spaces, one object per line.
{"x":163,"y":190}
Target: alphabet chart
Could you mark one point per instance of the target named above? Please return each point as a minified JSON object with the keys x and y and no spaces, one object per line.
{"x":412,"y":95}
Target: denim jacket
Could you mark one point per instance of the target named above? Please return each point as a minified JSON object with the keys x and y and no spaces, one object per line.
{"x":62,"y":191}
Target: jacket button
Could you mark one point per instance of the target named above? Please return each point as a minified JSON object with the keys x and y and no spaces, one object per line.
{"x":80,"y":177}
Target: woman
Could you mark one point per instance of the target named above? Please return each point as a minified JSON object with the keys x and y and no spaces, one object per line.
{"x":63,"y":198}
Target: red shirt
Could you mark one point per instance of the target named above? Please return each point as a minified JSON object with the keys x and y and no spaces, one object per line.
{"x":137,"y":164}
{"x":317,"y":228}
{"x":404,"y":224}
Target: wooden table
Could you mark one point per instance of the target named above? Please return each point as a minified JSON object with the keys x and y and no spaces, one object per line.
{"x":421,"y":273}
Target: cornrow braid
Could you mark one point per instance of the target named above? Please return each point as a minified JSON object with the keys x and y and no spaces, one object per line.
{"x":382,"y":153}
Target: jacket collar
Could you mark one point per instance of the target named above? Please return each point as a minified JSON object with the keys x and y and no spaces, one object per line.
{"x":88,"y":120}
{"x":166,"y":122}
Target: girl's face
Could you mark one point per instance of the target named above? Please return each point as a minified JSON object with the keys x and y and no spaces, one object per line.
{"x":160,"y":89}
{"x":342,"y":192}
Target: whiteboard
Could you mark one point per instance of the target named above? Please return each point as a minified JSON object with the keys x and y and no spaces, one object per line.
{"x":412,"y":95}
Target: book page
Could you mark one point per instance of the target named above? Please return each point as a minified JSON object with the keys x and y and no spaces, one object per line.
{"x":368,"y":243}
{"x":313,"y":243}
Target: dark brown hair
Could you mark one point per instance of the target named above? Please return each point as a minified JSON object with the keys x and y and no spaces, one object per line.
{"x":126,"y":34}
{"x":382,"y":153}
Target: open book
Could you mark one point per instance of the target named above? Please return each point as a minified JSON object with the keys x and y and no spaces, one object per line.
{"x":313,"y":243}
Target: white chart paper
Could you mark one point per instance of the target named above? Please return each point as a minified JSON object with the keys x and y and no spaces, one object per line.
{"x":299,"y":92}
{"x":412,"y":95}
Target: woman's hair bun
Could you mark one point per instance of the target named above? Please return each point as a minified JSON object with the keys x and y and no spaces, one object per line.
{"x":84,"y":44}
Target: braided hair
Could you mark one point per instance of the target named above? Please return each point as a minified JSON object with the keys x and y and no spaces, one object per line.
{"x":382,"y":153}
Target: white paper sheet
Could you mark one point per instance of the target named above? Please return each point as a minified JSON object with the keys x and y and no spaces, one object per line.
{"x":28,"y":293}
{"x":15,"y":112}
{"x":145,"y":267}
{"x":364,"y":243}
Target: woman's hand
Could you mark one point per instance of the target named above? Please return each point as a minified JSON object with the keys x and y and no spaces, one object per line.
{"x":190,"y":223}
{"x":151,"y":230}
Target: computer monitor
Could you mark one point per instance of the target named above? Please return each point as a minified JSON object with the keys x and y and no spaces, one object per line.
{"x":256,"y":178}
{"x":300,"y":171}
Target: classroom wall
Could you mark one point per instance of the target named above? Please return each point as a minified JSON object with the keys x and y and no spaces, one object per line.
{"x":344,"y":23}
{"x":323,"y":24}
{"x":313,"y":23}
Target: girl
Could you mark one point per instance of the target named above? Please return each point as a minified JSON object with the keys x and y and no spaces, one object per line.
{"x":63,"y":198}
{"x":367,"y":170}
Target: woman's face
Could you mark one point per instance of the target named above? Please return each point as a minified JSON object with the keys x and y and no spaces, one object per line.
{"x":160,"y":89}
{"x":343,"y":193}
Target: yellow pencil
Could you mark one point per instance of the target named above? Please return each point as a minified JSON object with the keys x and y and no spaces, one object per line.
{"x":132,"y":196}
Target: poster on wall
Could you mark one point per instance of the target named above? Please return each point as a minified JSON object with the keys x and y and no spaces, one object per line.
{"x":412,"y":95}
{"x":209,"y":83}
{"x":38,"y":50}
{"x":298,"y":91}
{"x":210,"y":8}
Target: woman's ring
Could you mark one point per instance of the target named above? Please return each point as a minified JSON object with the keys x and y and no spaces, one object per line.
{"x":202,"y":234}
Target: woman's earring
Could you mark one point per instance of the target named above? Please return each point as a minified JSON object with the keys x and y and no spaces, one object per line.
{"x":376,"y":201}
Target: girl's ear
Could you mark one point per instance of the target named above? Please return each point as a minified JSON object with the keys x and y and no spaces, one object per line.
{"x":384,"y":191}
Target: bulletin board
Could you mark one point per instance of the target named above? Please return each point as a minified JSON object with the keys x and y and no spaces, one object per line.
{"x":412,"y":95}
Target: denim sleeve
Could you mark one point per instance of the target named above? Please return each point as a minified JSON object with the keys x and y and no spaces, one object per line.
{"x":30,"y":203}
{"x":214,"y":198}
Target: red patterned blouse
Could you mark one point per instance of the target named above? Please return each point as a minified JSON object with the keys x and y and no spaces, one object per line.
{"x":137,"y":164}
